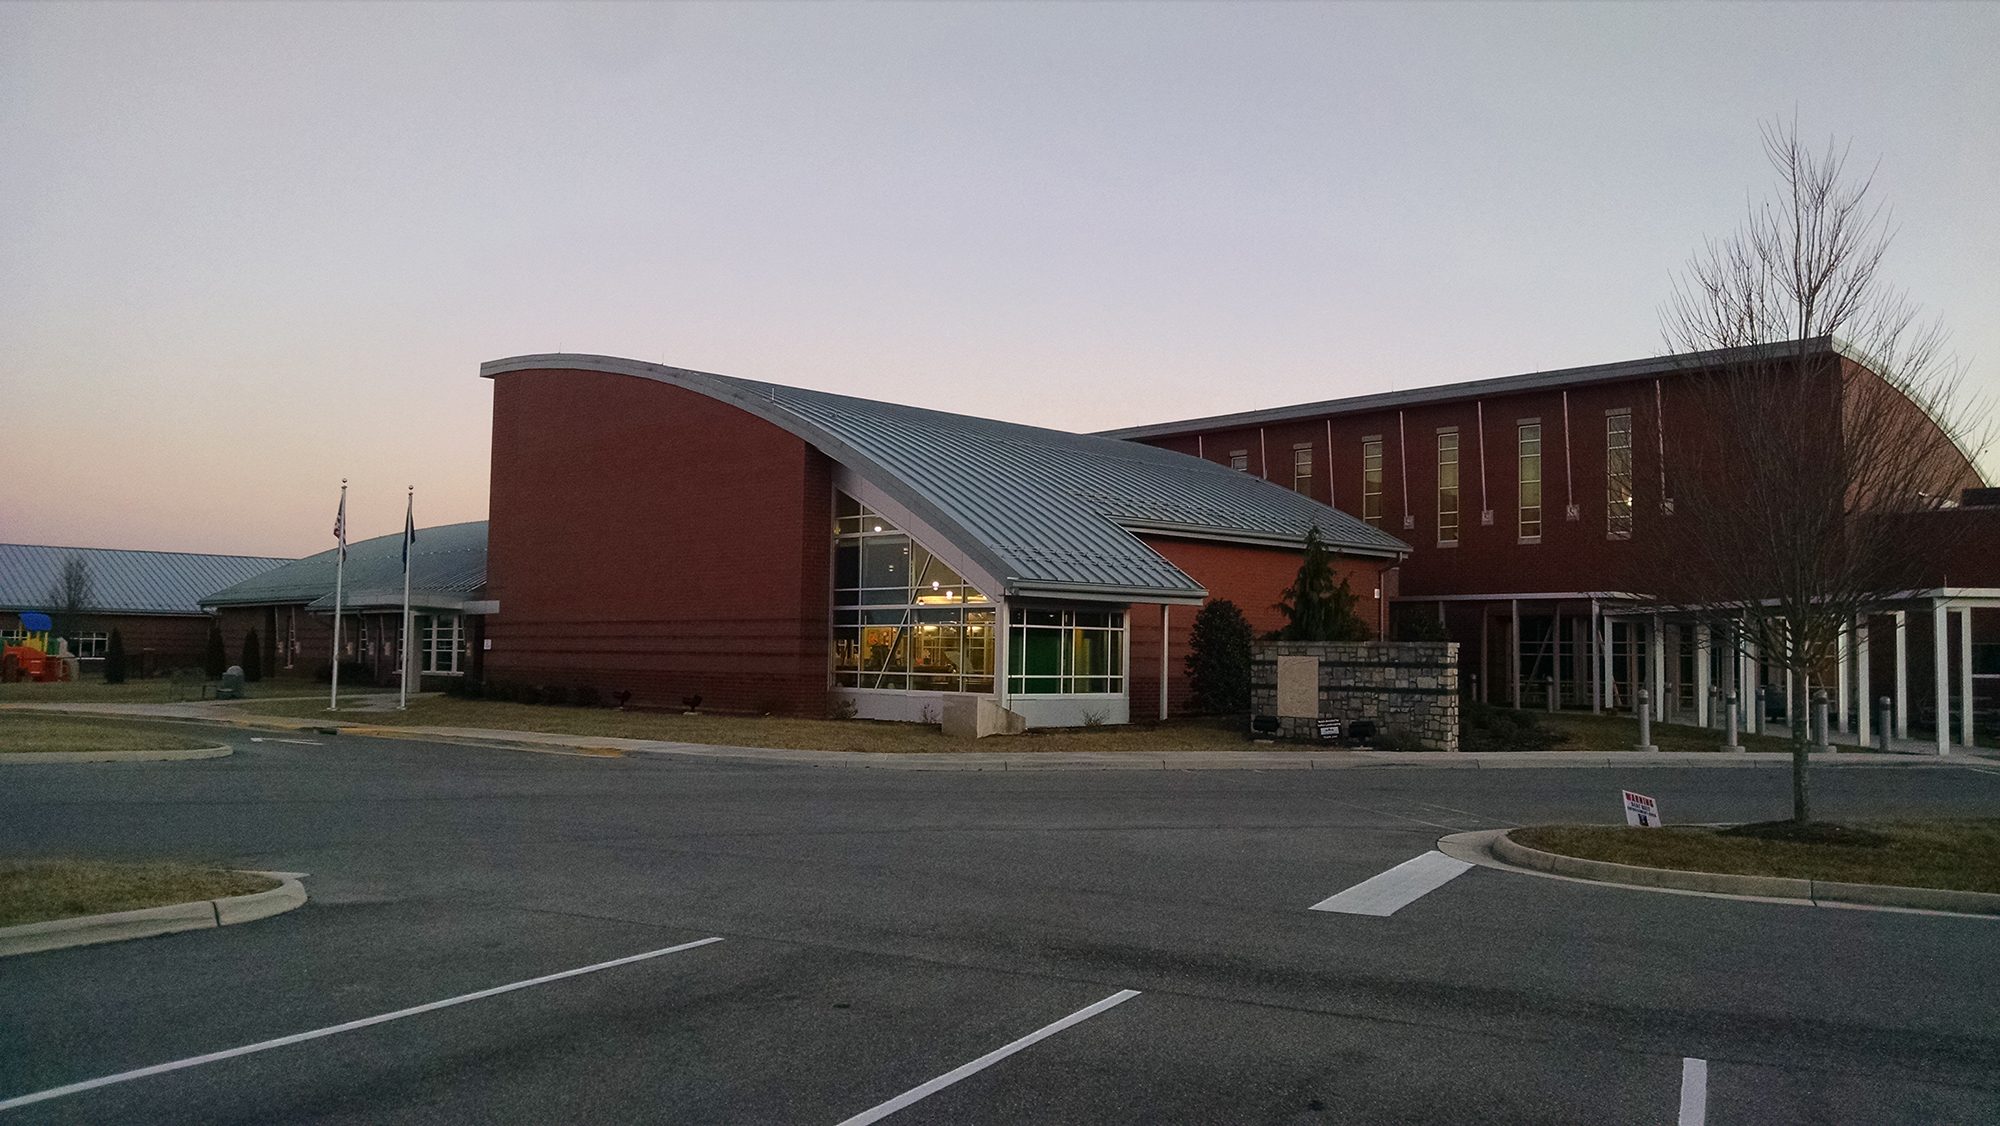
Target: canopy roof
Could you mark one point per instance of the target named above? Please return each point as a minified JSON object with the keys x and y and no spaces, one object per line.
{"x":1046,"y":511}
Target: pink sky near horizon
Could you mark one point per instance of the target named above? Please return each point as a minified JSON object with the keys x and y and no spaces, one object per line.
{"x":251,"y":249}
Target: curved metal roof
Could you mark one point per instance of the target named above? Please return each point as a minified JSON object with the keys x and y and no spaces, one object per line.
{"x":122,"y":581}
{"x":1049,"y":512}
{"x":447,"y":565}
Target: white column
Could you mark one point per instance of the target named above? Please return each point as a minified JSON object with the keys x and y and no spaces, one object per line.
{"x":1589,"y":661}
{"x":1514,"y":666}
{"x":1701,"y":681}
{"x":1864,"y":716}
{"x":1841,"y":697}
{"x":1166,"y":644}
{"x":1610,"y":690}
{"x":1902,"y":674}
{"x":1556,"y":659}
{"x":1965,"y":677}
{"x":1656,"y":661}
{"x":1745,"y":690}
{"x":1000,"y":651}
{"x":1941,"y":673}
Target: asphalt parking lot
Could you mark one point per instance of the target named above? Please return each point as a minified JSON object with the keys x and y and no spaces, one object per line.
{"x":883,"y":930}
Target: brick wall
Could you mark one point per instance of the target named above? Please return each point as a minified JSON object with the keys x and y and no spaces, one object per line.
{"x":648,"y":539}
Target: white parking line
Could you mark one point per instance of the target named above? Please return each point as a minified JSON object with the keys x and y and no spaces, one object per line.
{"x":878,"y":1113}
{"x":349,"y":1026}
{"x":297,"y":742}
{"x":1390,"y":892}
{"x":1694,"y":1092}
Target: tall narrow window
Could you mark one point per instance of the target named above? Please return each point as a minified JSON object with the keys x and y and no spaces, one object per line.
{"x":1371,"y":480}
{"x":1618,"y":474}
{"x":1448,"y":487}
{"x":1239,"y":460}
{"x":1530,"y":443}
{"x":1302,"y":468}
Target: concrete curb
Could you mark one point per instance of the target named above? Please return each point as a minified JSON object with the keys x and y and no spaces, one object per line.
{"x":1512,"y":852}
{"x":117,"y":926}
{"x":43,"y":758}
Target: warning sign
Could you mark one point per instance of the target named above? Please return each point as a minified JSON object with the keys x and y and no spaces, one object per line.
{"x":1641,"y":812}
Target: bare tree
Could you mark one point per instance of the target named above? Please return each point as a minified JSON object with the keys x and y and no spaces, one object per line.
{"x":71,"y":594}
{"x":1827,"y":424}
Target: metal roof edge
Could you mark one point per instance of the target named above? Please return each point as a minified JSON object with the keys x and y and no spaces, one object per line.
{"x":1092,"y":593}
{"x":1497,"y":385}
{"x":1256,"y":539}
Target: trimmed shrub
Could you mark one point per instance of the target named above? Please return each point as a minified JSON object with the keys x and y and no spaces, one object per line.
{"x":1484,"y":727}
{"x":114,"y":659}
{"x":1218,"y":660}
{"x":586,"y":696}
{"x":215,"y":661}
{"x":253,"y":658}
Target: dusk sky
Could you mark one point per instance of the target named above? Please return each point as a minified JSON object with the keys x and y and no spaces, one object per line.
{"x":246,"y":250}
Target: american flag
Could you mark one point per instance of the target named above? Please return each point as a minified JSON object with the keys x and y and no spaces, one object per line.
{"x":340,"y":524}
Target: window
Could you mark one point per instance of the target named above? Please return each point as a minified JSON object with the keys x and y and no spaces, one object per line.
{"x":1618,"y":474}
{"x":13,"y":637}
{"x":1371,"y":480}
{"x":291,"y":645}
{"x":1529,"y":437}
{"x":1302,"y":468}
{"x":1065,"y":652}
{"x":438,"y":641}
{"x":89,"y":645}
{"x":903,"y":620}
{"x":1448,"y":487}
{"x":1239,"y":460}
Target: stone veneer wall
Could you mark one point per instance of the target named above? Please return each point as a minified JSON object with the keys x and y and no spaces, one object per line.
{"x":1408,"y":688}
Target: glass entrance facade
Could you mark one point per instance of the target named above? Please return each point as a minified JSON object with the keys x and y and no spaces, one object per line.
{"x":903,"y":620}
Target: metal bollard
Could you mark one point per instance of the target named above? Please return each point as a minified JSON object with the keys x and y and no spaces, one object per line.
{"x":1549,"y":683}
{"x":1714,"y":706}
{"x":1757,"y":718}
{"x":1882,"y":718}
{"x":1822,"y":733}
{"x":1734,"y":744}
{"x":1645,"y":743}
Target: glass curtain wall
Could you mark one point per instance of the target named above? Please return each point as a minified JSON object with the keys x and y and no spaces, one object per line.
{"x":903,"y":620}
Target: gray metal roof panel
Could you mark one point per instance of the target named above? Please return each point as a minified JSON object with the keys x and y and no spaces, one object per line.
{"x":447,"y":560}
{"x":1477,"y":388}
{"x":123,"y":581}
{"x":1044,"y":508}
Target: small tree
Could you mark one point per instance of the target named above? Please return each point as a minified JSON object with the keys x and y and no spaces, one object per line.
{"x":253,"y":657}
{"x":1829,"y":424}
{"x":216,"y":661}
{"x":114,"y":659}
{"x":1218,"y":659}
{"x":70,"y":596}
{"x":1316,"y":606}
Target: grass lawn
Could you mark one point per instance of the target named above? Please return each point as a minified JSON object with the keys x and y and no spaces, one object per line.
{"x":771,"y":731}
{"x":157,"y":690}
{"x":40,"y":731}
{"x":1959,"y":855}
{"x":34,"y":891}
{"x":1584,"y":732}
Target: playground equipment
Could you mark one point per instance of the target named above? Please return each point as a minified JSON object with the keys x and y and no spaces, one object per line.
{"x":31,"y":659}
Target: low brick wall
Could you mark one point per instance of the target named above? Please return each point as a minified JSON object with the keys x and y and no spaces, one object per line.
{"x":1408,"y":689}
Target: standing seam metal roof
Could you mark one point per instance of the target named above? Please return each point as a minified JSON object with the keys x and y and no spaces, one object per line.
{"x":1046,"y":511}
{"x":447,"y":565}
{"x":123,"y":581}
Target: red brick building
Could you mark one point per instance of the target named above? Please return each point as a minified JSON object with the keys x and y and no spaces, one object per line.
{"x":1533,"y":506}
{"x":673,"y":534}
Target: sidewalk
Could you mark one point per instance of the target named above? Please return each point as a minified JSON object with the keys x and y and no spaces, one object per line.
{"x":361,"y":721}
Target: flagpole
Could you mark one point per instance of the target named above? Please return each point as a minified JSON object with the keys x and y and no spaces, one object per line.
{"x":409,"y":523}
{"x":339,"y":579}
